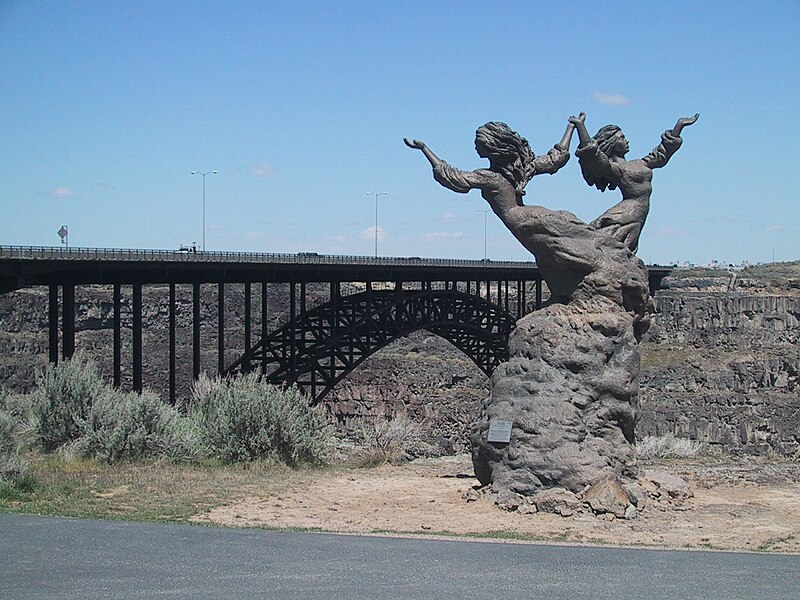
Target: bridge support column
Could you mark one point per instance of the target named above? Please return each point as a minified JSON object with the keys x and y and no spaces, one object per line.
{"x":335,"y":296}
{"x":117,"y":343}
{"x":221,"y":328}
{"x":68,"y":320}
{"x":538,"y":293}
{"x":195,"y":330}
{"x":292,"y":331}
{"x":264,"y":323}
{"x":137,"y":337}
{"x":172,"y":342}
{"x":52,"y":323}
{"x":247,"y":324}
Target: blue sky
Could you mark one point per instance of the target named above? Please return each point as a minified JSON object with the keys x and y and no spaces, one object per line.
{"x":106,"y":108}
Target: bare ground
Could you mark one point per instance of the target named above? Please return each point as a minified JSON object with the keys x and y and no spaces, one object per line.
{"x":744,"y":504}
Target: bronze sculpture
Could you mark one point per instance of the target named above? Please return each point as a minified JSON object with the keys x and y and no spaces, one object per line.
{"x":603,"y":164}
{"x":570,"y":386}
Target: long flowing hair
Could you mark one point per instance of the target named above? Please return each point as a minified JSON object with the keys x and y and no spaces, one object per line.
{"x":605,"y":139}
{"x":509,"y":153}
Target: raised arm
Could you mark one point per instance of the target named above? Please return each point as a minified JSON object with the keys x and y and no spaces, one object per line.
{"x":558,"y":155}
{"x":684,"y":122}
{"x":419,"y":145}
{"x":670,"y":142}
{"x":596,"y":167}
{"x":447,"y":175}
{"x":567,"y":138}
{"x":580,"y":124}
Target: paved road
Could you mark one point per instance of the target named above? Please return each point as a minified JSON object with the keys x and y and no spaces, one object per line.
{"x":70,"y":558}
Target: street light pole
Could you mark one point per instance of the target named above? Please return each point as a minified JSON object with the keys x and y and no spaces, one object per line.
{"x":376,"y":194}
{"x":204,"y":202}
{"x":484,"y":211}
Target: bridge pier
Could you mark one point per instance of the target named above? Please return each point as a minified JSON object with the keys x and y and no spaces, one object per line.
{"x":195,"y":331}
{"x":117,"y":343}
{"x":221,"y":328}
{"x":68,"y":320}
{"x":52,"y":323}
{"x":137,"y":337}
{"x":172,"y":342}
{"x":264,"y":323}
{"x":247,"y":323}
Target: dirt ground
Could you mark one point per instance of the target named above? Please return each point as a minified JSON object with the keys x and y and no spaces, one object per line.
{"x":744,"y":504}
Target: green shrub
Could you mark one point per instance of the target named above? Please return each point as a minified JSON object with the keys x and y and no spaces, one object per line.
{"x":245,"y":419}
{"x":62,"y":401}
{"x":128,"y":426}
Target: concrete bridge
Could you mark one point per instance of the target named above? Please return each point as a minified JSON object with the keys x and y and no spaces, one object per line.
{"x":472,"y":304}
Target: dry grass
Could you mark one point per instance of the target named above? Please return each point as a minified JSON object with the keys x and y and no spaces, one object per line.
{"x":143,"y":491}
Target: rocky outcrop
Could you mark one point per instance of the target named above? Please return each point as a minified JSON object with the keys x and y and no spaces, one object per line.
{"x":570,"y":390}
{"x":723,"y":366}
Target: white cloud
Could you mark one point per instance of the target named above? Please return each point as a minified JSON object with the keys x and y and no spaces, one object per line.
{"x":442,"y":235}
{"x":62,"y":192}
{"x":262,"y":170}
{"x":774,"y":228}
{"x":369,"y":233}
{"x":449,"y":217}
{"x":611,"y":99}
{"x":254,"y":235}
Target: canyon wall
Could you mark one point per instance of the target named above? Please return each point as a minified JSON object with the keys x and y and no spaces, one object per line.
{"x":719,"y":365}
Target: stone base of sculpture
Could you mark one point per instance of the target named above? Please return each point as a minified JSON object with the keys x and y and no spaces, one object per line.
{"x":570,"y":389}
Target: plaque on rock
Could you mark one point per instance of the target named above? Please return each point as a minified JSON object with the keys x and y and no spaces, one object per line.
{"x":499,"y":431}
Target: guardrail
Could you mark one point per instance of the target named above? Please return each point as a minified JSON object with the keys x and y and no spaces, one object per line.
{"x":121,"y":254}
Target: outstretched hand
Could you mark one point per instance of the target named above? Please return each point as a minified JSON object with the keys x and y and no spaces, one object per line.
{"x":416,"y":144}
{"x":683,"y":123}
{"x":581,"y":118}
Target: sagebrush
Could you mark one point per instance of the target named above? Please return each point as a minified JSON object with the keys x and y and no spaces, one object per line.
{"x":245,"y":419}
{"x":74,"y":412}
{"x":128,"y":426}
{"x":669,"y":446}
{"x":62,"y":401}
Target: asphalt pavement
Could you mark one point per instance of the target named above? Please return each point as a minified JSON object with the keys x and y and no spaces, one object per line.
{"x":53,"y":558}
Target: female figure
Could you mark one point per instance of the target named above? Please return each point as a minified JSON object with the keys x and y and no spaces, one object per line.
{"x":603,"y":164}
{"x":512,"y":164}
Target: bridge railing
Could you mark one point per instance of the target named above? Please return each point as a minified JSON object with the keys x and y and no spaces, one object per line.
{"x":191,"y":255}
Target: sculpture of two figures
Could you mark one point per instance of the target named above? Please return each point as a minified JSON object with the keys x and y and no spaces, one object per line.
{"x":571,"y":385}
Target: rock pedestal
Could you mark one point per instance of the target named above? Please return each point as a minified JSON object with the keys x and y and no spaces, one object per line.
{"x":570,"y":389}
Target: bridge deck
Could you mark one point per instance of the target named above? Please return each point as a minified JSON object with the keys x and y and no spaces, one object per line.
{"x":24,"y":266}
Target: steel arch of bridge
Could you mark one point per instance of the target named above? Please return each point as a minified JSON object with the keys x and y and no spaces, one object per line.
{"x":322,"y":346}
